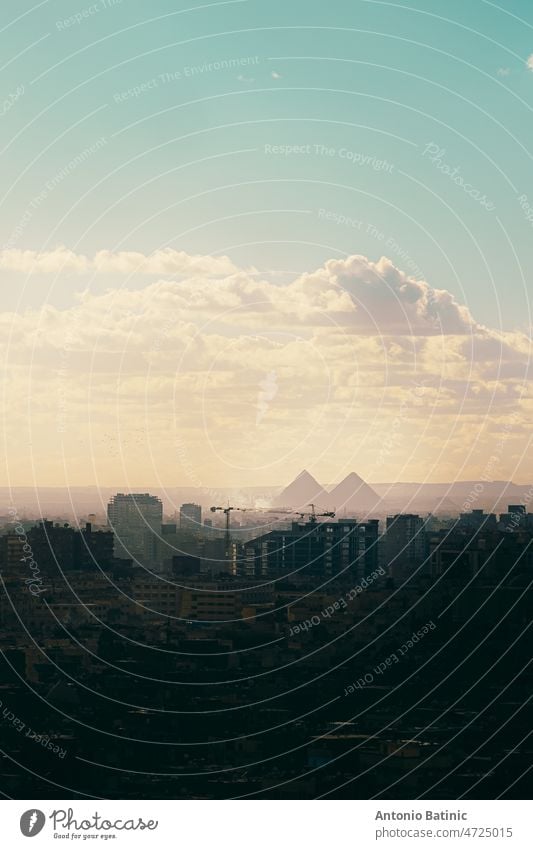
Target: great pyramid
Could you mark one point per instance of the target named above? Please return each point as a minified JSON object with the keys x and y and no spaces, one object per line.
{"x":353,"y":495}
{"x":304,"y":490}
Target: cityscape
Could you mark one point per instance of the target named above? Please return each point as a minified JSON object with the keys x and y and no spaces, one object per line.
{"x":266,"y":469}
{"x":278,"y":652}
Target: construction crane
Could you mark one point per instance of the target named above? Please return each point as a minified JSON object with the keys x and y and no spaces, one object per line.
{"x":227,"y":512}
{"x":312,"y":516}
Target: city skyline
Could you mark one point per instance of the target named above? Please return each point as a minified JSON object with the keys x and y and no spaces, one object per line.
{"x":266,"y":479}
{"x":340,"y":661}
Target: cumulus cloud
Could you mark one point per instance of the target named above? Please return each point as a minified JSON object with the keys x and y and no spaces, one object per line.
{"x":386,"y":300}
{"x":46,"y":262}
{"x":165,"y":262}
{"x":529,"y":62}
{"x":188,"y":359}
{"x":370,"y":297}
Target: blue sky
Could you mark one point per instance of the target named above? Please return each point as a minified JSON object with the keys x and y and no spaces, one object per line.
{"x":380,"y":79}
{"x":282,"y":135}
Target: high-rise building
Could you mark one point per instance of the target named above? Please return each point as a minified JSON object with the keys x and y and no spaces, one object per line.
{"x":136,"y":521}
{"x":93,"y":549}
{"x":477,"y":520}
{"x":57,"y":548}
{"x":190,"y":517}
{"x":515,"y":518}
{"x":321,"y":549}
{"x":405,"y":543}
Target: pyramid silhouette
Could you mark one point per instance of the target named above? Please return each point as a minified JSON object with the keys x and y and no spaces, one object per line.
{"x":303,"y":490}
{"x":352,"y":494}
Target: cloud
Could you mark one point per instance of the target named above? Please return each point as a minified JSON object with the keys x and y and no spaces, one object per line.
{"x":503,"y":72}
{"x":46,"y":262}
{"x":387,"y":301}
{"x":329,"y":360}
{"x":529,"y":62}
{"x":275,"y":75}
{"x":369,"y":297}
{"x":167,"y":261}
{"x":344,"y":302}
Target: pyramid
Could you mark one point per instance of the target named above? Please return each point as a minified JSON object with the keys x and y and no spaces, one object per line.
{"x":304,"y":490}
{"x":353,"y":494}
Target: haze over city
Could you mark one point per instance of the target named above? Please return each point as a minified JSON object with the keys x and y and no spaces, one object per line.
{"x":266,"y":481}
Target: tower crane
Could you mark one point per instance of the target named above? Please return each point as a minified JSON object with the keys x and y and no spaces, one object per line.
{"x":227,"y":512}
{"x":312,"y":516}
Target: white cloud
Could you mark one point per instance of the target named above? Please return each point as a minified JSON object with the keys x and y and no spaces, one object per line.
{"x":185,"y":361}
{"x":369,"y":297}
{"x":167,"y":261}
{"x":46,"y":262}
{"x":529,"y":62}
{"x":387,"y":301}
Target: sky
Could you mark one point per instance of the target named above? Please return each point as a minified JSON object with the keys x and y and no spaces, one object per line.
{"x":242,"y":238}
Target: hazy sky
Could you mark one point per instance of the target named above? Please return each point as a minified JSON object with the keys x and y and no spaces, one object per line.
{"x":243,"y":238}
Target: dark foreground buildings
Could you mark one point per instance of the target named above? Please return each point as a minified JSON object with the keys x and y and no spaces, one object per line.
{"x":320,"y":659}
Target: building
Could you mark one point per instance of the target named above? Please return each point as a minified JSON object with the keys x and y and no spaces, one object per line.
{"x":516,"y":517}
{"x":56,"y":549}
{"x":213,"y":602}
{"x":477,"y":519}
{"x":317,"y":549}
{"x":190,"y":517}
{"x":93,"y":549}
{"x":459,"y":554}
{"x":136,"y":521}
{"x":404,"y":544}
